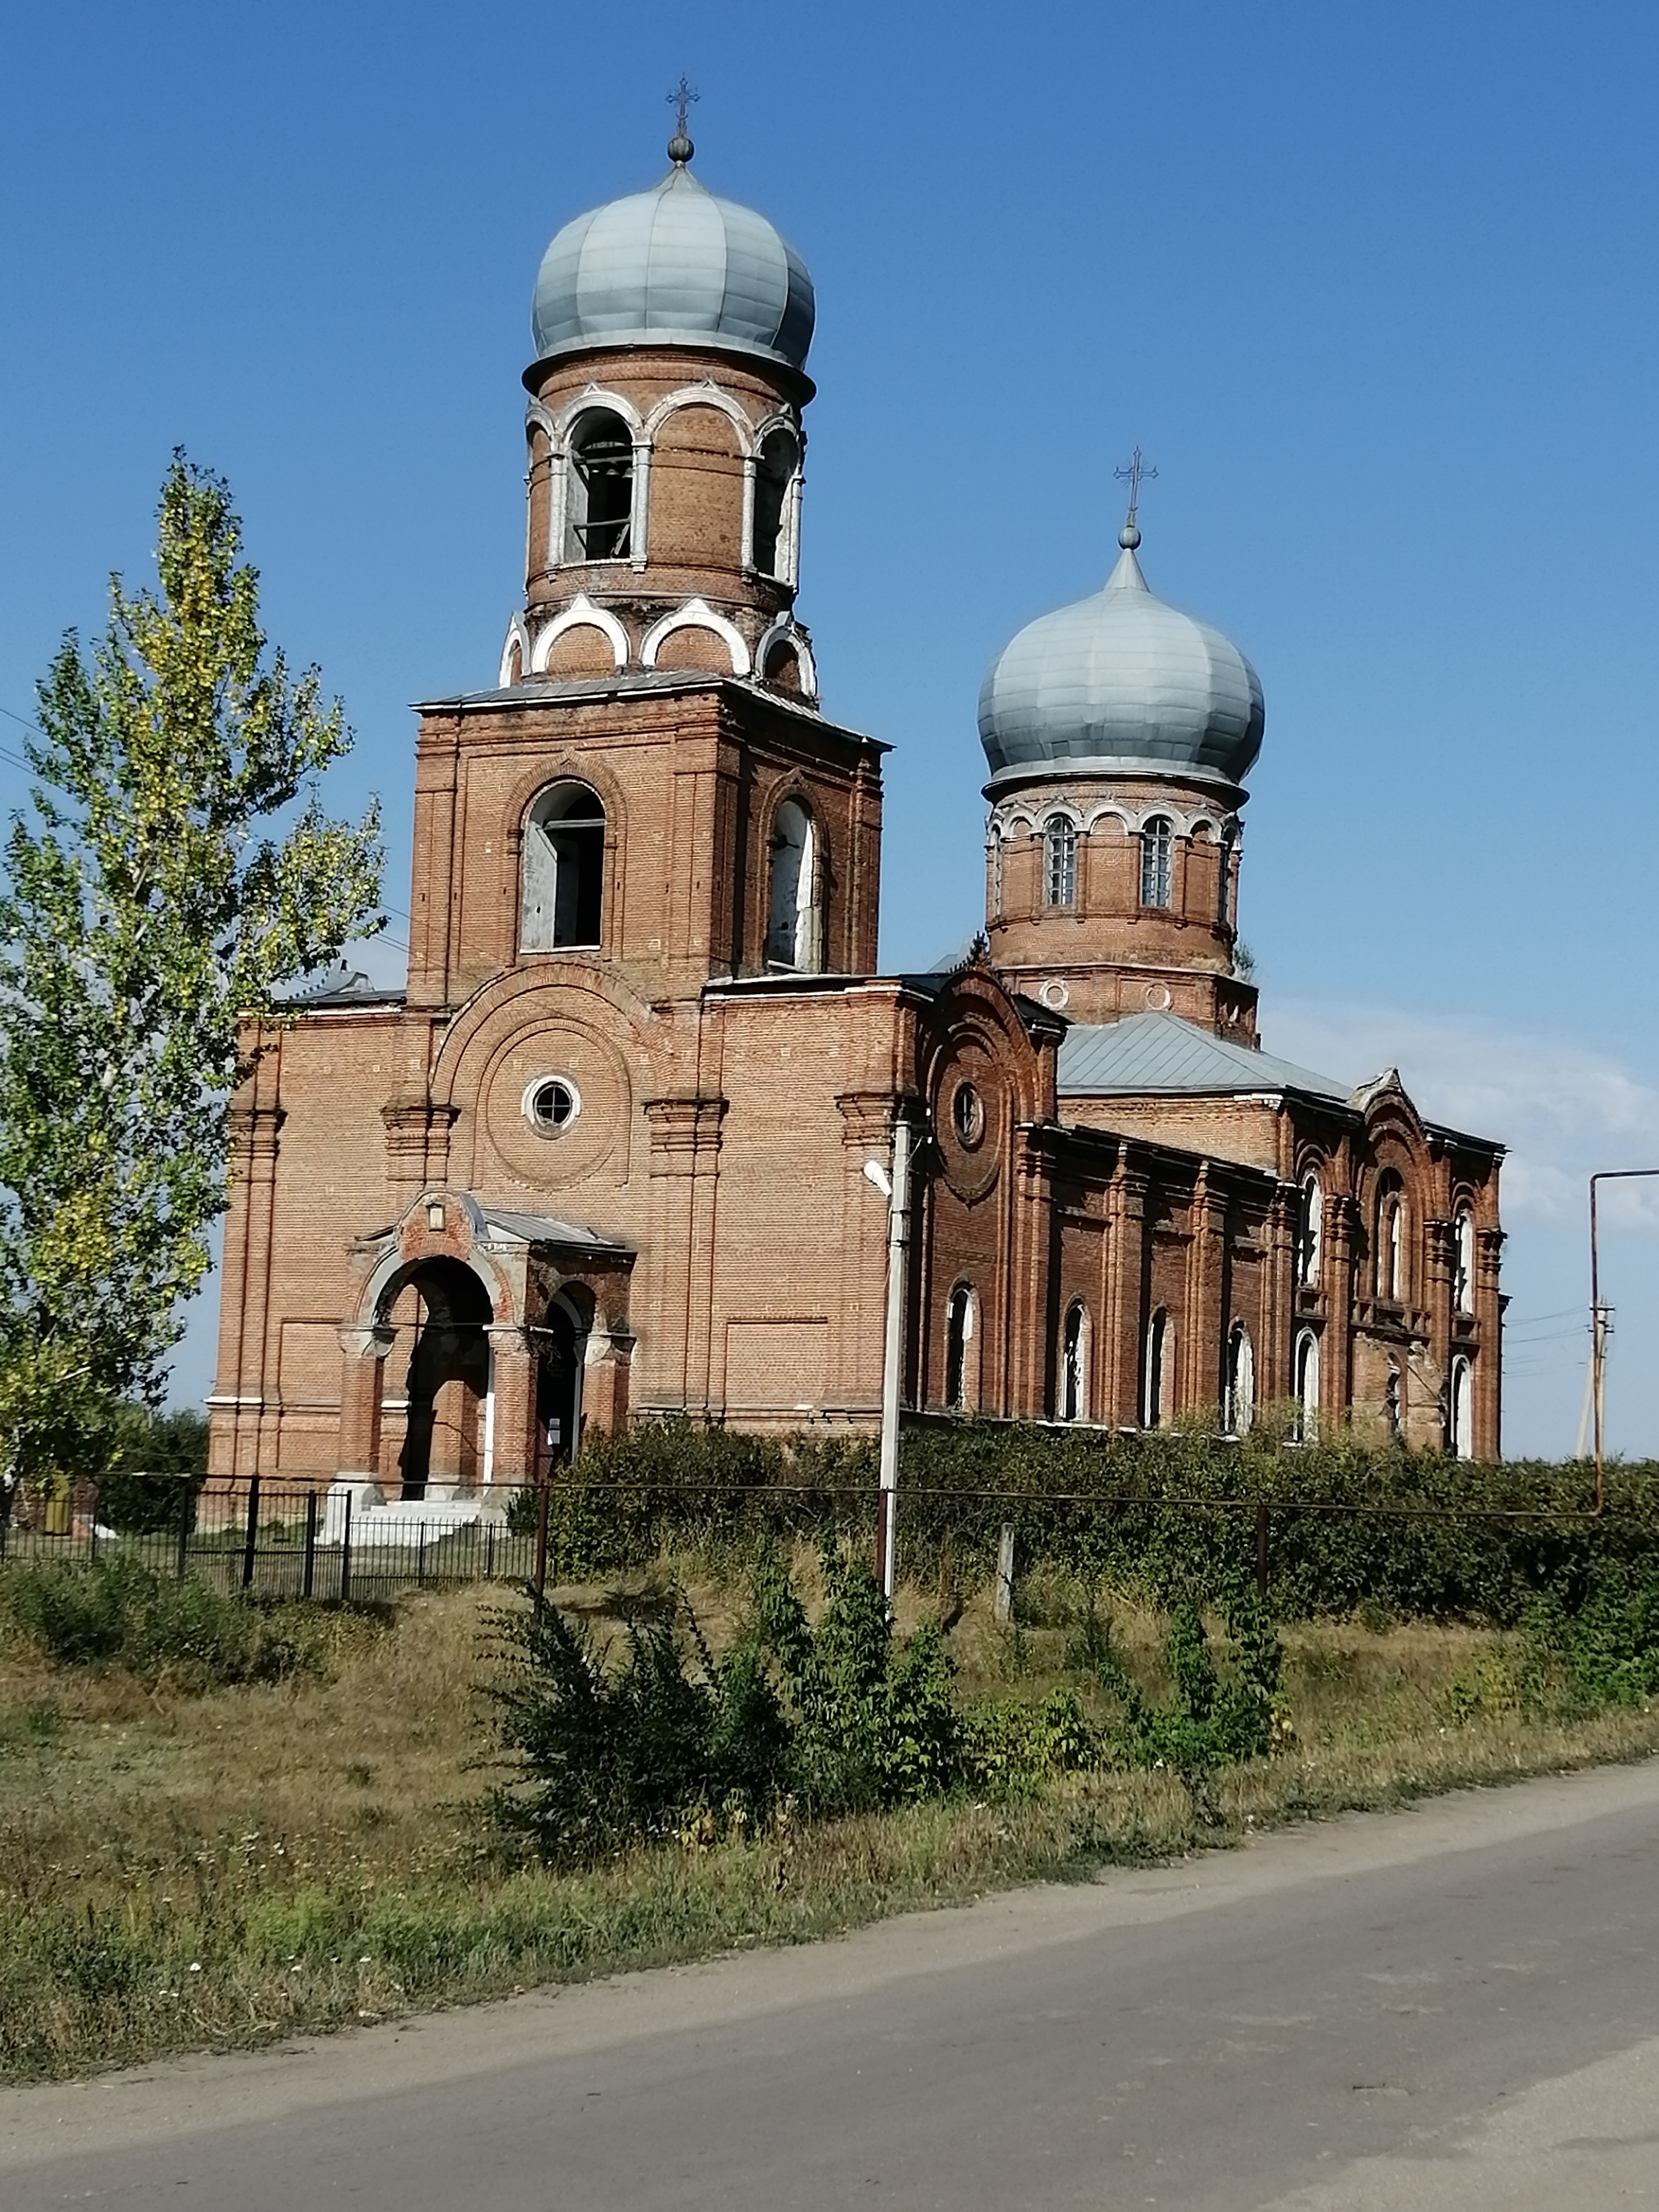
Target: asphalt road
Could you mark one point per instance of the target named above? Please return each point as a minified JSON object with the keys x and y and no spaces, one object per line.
{"x":1455,"y":2007}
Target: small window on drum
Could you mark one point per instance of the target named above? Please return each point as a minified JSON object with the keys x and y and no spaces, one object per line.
{"x":967,"y":1115}
{"x":1156,"y":840}
{"x":551,"y":1104}
{"x":1059,"y":862}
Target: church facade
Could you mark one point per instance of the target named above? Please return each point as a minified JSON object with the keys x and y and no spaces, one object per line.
{"x":612,"y":1151}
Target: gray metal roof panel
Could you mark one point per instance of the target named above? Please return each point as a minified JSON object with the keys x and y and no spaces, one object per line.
{"x":1163,"y":1054}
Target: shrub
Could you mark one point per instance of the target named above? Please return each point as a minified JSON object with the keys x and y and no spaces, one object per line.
{"x":606,"y":1753}
{"x":872,"y":1720}
{"x":116,"y":1613}
{"x":1607,"y":1647}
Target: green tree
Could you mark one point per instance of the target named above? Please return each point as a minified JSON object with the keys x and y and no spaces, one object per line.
{"x":169,"y":881}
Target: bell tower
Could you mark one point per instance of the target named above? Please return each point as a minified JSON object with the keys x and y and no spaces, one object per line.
{"x":650,"y":791}
{"x":665,"y":445}
{"x":1118,"y":732}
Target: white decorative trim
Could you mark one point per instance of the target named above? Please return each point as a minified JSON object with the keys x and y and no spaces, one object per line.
{"x":1026,"y":815}
{"x":592,"y":397}
{"x":698,"y":614}
{"x":785,"y":629}
{"x":581,"y":613}
{"x":706,"y":394}
{"x":517,"y":633}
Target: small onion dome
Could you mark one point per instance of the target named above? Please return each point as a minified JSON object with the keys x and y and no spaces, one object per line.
{"x":674,"y":266}
{"x":1119,"y":684}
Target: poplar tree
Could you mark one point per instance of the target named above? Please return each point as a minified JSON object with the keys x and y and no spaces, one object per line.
{"x":174,"y":871}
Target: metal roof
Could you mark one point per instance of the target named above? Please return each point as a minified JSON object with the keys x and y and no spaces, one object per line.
{"x":543,"y":1228}
{"x":1161,"y":1053}
{"x":1121,"y":681}
{"x":674,"y":266}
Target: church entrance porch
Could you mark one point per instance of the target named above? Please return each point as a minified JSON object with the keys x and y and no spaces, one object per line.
{"x":440,"y":1323}
{"x":483,"y":1345}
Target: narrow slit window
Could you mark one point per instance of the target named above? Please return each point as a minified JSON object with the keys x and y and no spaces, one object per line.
{"x":1391,"y":1234}
{"x":1464,"y":1262}
{"x":1310,"y":1233}
{"x":1157,"y":872}
{"x":958,"y":1335}
{"x":1307,"y":1386}
{"x":1074,"y":1365}
{"x":1152,"y":1406}
{"x":1460,"y":1427}
{"x":1238,"y":1414}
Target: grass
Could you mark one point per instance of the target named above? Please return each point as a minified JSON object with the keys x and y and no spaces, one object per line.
{"x":184,"y":1870}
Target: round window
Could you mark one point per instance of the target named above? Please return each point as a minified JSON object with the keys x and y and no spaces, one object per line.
{"x":968,"y":1113}
{"x":551,"y":1104}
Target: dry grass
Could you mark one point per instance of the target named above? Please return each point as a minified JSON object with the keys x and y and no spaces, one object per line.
{"x":180,"y":1871}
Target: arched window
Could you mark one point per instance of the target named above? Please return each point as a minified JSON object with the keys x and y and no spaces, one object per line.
{"x":1060,"y":861}
{"x":1460,"y":1437}
{"x":958,"y":1335}
{"x":600,"y":488}
{"x":1224,"y":881}
{"x":793,"y":935}
{"x":1310,"y":1232}
{"x":563,"y":870}
{"x":1390,"y":1245}
{"x":1463,"y":1261}
{"x":1238,"y":1413}
{"x":1307,"y":1386}
{"x":1391,"y":1401}
{"x":1157,"y":875}
{"x":775,"y":482}
{"x":1152,"y":1393}
{"x":1074,"y":1365}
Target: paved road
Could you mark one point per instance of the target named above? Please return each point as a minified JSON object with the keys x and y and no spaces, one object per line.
{"x":1454,"y":2008}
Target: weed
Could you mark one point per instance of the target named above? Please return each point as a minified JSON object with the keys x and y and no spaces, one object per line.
{"x":118,"y":1614}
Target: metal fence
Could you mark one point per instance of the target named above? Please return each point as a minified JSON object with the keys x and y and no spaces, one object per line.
{"x":292,"y":1541}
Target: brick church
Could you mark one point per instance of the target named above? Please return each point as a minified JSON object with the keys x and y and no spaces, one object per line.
{"x":616,"y":1149}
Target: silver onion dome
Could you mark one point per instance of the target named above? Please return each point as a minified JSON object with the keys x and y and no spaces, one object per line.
{"x":1118,"y":683}
{"x":674,"y":266}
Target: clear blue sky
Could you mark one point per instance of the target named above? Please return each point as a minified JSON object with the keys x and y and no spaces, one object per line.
{"x":1374,"y":289}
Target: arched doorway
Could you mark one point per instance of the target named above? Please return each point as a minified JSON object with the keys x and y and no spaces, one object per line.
{"x":562,"y":1349}
{"x":440,"y":1320}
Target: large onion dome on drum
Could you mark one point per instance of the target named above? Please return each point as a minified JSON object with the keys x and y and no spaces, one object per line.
{"x":1122,"y":683}
{"x":674,"y":266}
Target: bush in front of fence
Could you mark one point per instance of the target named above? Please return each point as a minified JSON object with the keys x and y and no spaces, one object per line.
{"x":836,"y":1715}
{"x":117,"y":1613}
{"x":1407,"y":1534}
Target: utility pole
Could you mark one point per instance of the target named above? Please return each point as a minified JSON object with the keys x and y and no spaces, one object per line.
{"x":1599,"y":1315}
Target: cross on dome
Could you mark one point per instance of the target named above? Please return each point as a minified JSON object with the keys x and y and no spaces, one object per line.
{"x":682,"y":98}
{"x":1134,"y":476}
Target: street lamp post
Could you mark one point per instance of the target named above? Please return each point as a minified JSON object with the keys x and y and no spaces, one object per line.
{"x":1598,"y":1314}
{"x":896,"y":1188}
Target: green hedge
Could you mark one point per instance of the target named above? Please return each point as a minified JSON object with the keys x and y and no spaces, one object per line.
{"x":1418,"y":1536}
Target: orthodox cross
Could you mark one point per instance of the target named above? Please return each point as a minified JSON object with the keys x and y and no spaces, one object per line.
{"x":682,"y":100}
{"x":1134,"y":476}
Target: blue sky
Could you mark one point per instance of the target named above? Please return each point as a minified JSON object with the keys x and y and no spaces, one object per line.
{"x":1374,"y":289}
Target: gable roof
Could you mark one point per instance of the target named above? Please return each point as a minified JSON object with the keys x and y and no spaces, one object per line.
{"x":1162,"y":1053}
